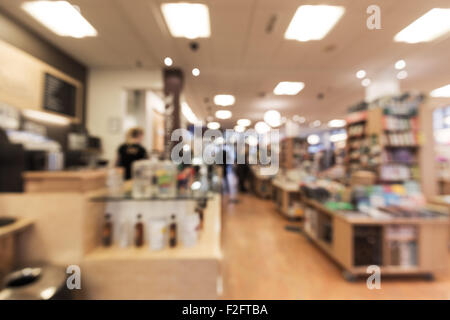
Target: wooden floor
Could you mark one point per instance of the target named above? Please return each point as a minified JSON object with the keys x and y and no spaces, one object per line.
{"x":264,"y":261}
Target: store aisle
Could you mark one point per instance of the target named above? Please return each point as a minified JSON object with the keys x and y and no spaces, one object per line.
{"x":264,"y":261}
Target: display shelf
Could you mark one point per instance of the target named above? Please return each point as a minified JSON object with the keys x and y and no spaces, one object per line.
{"x":287,"y":198}
{"x":428,"y":233}
{"x":128,"y":197}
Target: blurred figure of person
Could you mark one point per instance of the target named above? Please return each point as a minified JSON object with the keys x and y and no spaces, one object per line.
{"x":131,"y":151}
{"x":225,"y":170}
{"x":243,"y":173}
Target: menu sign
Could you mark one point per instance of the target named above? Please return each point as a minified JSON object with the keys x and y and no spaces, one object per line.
{"x":59,"y":96}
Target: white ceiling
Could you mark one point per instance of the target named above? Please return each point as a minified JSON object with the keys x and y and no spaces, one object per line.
{"x":242,"y":59}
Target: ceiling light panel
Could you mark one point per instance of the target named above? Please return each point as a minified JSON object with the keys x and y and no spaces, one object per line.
{"x":224,"y":100}
{"x":187,"y":20}
{"x":60,"y":17}
{"x":442,"y":92}
{"x":288,"y":88}
{"x":313,"y":22}
{"x":432,"y":25}
{"x":223,"y":114}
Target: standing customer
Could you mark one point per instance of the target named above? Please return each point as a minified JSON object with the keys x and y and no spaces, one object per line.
{"x":131,"y":150}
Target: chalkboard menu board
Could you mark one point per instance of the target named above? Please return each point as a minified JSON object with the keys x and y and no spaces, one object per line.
{"x":59,"y":96}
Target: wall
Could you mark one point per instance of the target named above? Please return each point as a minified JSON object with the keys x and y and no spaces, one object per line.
{"x":22,"y":38}
{"x":106,"y":102}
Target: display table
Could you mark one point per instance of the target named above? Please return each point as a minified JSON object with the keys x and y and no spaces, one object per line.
{"x":171,"y":273}
{"x":287,"y":198}
{"x":262,"y":184}
{"x":66,"y":181}
{"x":339,"y":233}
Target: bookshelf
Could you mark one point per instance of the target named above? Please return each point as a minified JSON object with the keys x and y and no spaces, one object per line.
{"x":293,"y":151}
{"x":385,"y":140}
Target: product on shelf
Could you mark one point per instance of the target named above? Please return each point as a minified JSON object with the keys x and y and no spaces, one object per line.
{"x":139,"y":232}
{"x":172,"y":232}
{"x":402,"y":245}
{"x":107,"y":231}
{"x":157,"y":234}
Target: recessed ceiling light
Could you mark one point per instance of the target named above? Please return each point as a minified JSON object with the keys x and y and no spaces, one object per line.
{"x":262,"y":127}
{"x":272,"y":118}
{"x":313,"y":22}
{"x":338,"y":137}
{"x":187,"y":112}
{"x":60,"y":17}
{"x":316,"y":124}
{"x":239,"y":128}
{"x":430,"y":26}
{"x":213,"y":125}
{"x":442,"y":92}
{"x":400,"y":64}
{"x":302,"y":119}
{"x":187,"y":20}
{"x":224,"y":100}
{"x":365,"y":82}
{"x":223,"y":114}
{"x":168,"y":61}
{"x":288,"y":88}
{"x":313,"y":139}
{"x":244,"y":122}
{"x":402,"y":75}
{"x":195,"y":72}
{"x":361,"y":74}
{"x":337,"y":123}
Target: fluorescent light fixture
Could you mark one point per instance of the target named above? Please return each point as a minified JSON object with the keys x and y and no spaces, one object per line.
{"x":244,"y":122}
{"x":337,"y":123}
{"x":366,"y":82}
{"x":288,"y":88}
{"x":187,"y":20}
{"x":313,"y":22}
{"x":402,"y":75}
{"x":168,"y":61}
{"x":60,"y":17}
{"x":447,"y":120}
{"x":262,"y":127}
{"x":189,"y":114}
{"x":223,"y":114}
{"x":272,"y":118}
{"x":430,"y":26}
{"x":400,"y":64}
{"x":224,"y":100}
{"x":337,"y":137}
{"x":442,"y":92}
{"x":195,"y":72}
{"x":361,"y":74}
{"x":239,"y":128}
{"x":46,"y":117}
{"x":213,"y":125}
{"x":313,"y":139}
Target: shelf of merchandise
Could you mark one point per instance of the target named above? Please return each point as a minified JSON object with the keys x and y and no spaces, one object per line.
{"x":380,"y":138}
{"x":293,"y":151}
{"x":334,"y":233}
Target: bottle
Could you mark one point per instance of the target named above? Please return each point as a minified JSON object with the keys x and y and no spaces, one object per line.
{"x":107,"y":231}
{"x":172,"y":232}
{"x":139,"y":232}
{"x":201,"y":217}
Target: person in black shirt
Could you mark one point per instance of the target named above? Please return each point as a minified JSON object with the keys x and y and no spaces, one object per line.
{"x":131,"y":151}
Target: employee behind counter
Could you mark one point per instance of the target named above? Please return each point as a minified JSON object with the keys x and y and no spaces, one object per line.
{"x":131,"y":151}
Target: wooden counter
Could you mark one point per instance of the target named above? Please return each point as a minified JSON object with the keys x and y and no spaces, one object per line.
{"x":65,"y":181}
{"x":287,"y":198}
{"x":171,"y":273}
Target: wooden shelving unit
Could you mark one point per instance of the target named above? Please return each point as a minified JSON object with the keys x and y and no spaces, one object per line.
{"x":292,"y":152}
{"x":384,"y":142}
{"x":355,"y":241}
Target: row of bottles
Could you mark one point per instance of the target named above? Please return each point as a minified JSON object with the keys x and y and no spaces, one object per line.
{"x":161,"y":233}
